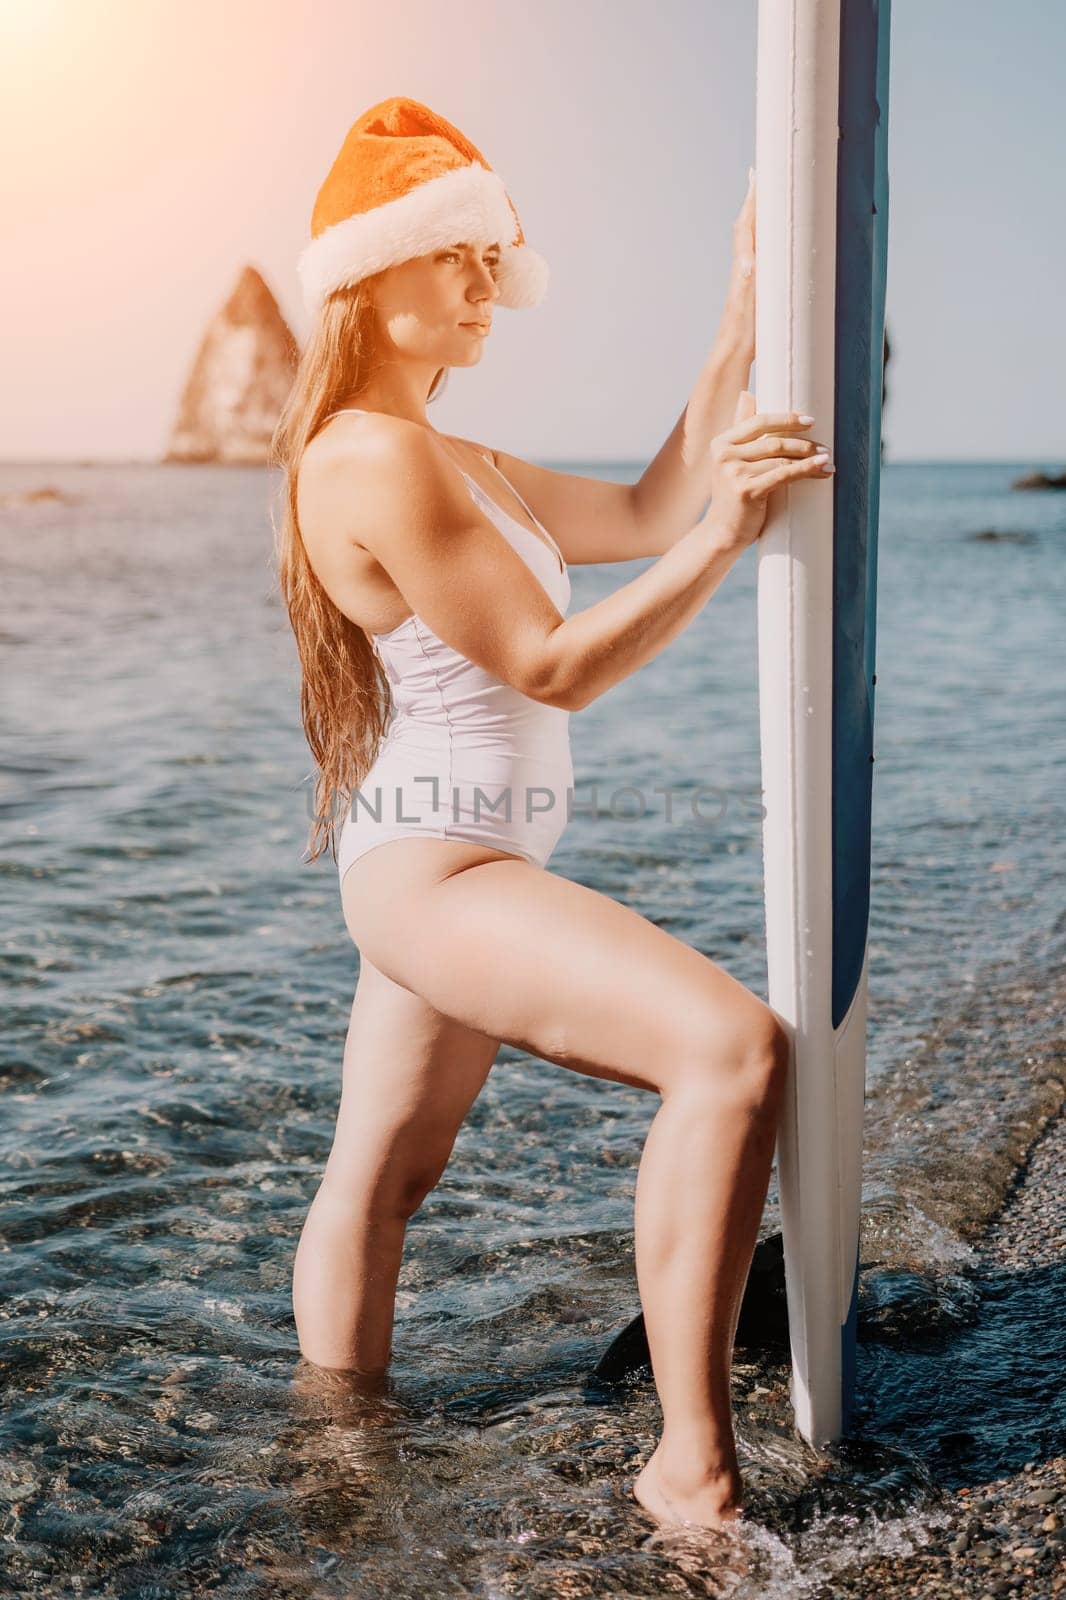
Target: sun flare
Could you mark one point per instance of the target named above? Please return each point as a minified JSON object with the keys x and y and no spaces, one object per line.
{"x":25,"y":19}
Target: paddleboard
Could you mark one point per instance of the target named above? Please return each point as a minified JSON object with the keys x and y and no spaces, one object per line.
{"x":821,"y":245}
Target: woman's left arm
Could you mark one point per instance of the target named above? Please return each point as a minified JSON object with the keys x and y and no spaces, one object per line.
{"x":672,"y":492}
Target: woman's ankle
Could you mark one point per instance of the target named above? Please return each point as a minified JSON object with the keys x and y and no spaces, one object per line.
{"x":690,"y":1466}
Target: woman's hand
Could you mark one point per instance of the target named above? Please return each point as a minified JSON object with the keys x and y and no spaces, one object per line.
{"x":758,"y":454}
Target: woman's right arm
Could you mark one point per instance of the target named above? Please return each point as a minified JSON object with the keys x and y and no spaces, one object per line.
{"x":598,"y":647}
{"x":386,"y":486}
{"x":758,"y":453}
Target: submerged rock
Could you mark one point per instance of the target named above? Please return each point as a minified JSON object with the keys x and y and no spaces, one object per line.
{"x":239,"y":381}
{"x":46,"y":495}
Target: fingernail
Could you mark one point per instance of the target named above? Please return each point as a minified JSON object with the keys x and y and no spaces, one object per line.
{"x":805,"y":418}
{"x":751,"y":176}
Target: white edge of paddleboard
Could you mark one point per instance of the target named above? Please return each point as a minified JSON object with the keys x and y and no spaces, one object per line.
{"x":819,"y":1149}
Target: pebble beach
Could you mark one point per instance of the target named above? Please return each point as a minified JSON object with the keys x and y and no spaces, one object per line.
{"x":1007,"y":1535}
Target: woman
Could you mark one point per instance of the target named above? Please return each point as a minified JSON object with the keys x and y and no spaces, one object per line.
{"x":416,"y":571}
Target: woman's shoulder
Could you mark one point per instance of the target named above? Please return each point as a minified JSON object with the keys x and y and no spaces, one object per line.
{"x":347,"y":428}
{"x":344,"y":465}
{"x":379,"y":471}
{"x":364,"y":446}
{"x":380,"y":446}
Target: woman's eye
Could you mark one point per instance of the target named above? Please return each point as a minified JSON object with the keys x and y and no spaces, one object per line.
{"x":453,"y":255}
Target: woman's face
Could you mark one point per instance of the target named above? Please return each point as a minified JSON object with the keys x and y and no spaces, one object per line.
{"x":437,"y":308}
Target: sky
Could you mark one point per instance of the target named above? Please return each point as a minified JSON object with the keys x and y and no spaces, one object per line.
{"x":164,"y":144}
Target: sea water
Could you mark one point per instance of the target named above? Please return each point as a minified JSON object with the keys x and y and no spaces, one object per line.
{"x":177,"y":988}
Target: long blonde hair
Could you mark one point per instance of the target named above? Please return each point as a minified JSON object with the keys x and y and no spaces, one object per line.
{"x":344,"y":692}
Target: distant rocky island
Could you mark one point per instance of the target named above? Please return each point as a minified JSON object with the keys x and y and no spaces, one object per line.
{"x":239,"y":380}
{"x":1041,"y":480}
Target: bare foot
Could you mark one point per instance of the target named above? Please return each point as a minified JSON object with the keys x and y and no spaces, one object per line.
{"x":689,"y":1499}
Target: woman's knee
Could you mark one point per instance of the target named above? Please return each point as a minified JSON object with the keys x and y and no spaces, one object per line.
{"x":407,"y":1192}
{"x":741,"y":1051}
{"x":387,"y":1157}
{"x":389,"y":1178}
{"x":771,"y":1058}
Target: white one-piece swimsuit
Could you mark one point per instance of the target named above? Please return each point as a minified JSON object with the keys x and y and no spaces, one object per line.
{"x":466,"y":755}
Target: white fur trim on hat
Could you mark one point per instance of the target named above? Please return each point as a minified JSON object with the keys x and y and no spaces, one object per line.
{"x":468,"y":203}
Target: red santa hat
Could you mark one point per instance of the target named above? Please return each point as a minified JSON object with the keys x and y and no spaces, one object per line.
{"x":406,"y":182}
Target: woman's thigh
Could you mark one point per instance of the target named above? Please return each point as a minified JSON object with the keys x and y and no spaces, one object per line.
{"x":528,"y":957}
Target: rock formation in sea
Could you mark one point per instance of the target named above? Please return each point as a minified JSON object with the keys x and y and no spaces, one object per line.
{"x":239,"y":380}
{"x":1041,"y":480}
